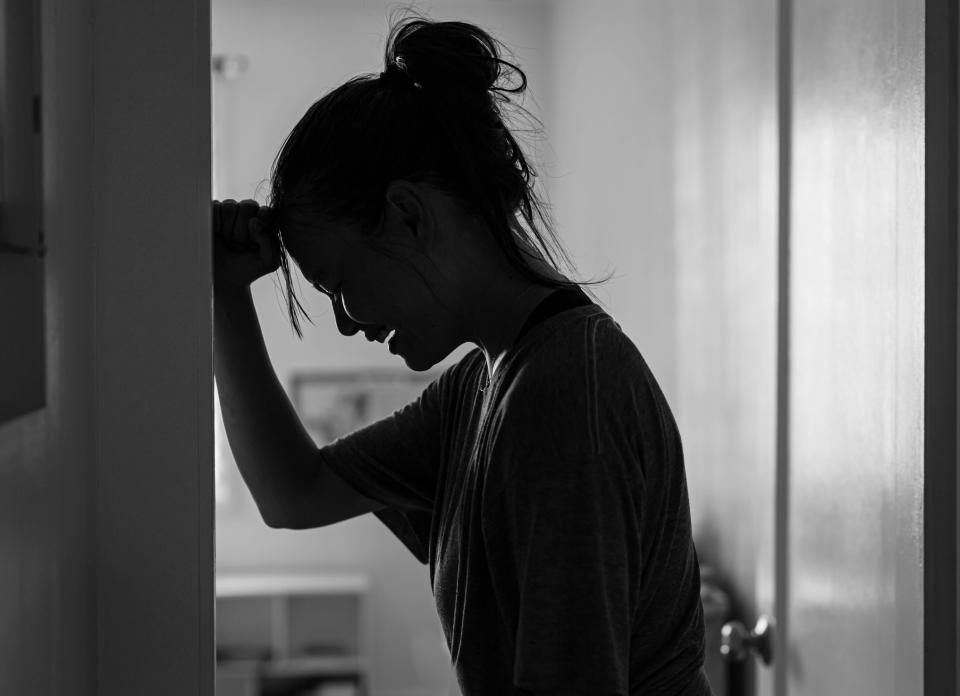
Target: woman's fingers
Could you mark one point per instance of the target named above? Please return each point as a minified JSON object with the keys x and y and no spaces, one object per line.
{"x":228,"y":216}
{"x":266,"y":242}
{"x":267,"y":215}
{"x":246,"y":211}
{"x":234,"y":218}
{"x":231,"y":222}
{"x":246,"y":244}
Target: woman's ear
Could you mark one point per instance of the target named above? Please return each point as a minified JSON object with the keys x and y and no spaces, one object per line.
{"x":407,"y":211}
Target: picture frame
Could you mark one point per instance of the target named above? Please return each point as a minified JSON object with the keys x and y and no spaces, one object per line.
{"x":332,"y":404}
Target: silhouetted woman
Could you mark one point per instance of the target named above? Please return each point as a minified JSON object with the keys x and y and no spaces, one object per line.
{"x":541,"y":477}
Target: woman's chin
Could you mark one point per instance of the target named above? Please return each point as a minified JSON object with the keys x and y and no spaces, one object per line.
{"x":414,"y":355}
{"x":417,"y":360}
{"x":417,"y":365}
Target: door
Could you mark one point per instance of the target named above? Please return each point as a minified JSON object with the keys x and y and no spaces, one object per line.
{"x":800,"y":222}
{"x":856,"y":349}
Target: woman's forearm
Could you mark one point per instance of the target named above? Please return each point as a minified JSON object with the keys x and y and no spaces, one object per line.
{"x":273,"y":451}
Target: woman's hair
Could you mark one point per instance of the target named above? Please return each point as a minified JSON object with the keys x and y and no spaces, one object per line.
{"x":435,"y":114}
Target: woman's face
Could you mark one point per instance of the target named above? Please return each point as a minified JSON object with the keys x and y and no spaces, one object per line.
{"x":380,"y":282}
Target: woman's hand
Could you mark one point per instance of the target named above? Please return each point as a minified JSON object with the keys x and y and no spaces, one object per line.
{"x":245,"y":244}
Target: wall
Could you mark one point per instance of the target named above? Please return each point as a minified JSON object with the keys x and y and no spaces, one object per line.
{"x":46,"y":457}
{"x":726,"y":197}
{"x":104,"y":540}
{"x":610,"y":179}
{"x":602,"y":115}
{"x":152,"y":337}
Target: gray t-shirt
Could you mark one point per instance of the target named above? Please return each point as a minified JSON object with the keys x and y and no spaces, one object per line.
{"x":552,"y":510}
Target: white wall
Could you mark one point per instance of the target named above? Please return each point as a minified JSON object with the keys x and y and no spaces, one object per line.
{"x":608,"y":121}
{"x":606,"y":167}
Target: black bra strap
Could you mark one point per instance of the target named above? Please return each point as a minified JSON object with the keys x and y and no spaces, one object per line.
{"x":558,"y":301}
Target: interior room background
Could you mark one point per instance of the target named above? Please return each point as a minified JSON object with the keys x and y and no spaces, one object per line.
{"x":599,"y":82}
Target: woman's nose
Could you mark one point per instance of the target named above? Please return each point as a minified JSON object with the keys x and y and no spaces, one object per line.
{"x":346,"y":325}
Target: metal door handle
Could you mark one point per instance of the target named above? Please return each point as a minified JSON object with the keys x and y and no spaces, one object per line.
{"x":736,"y":642}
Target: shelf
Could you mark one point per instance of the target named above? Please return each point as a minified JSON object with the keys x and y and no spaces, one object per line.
{"x":333,"y":665}
{"x":294,"y":583}
{"x":292,"y":627}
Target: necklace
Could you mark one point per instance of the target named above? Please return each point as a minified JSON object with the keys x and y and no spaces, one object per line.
{"x":489,"y":379}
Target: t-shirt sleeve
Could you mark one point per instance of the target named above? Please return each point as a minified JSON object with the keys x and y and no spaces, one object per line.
{"x":397,"y":462}
{"x":565,"y":537}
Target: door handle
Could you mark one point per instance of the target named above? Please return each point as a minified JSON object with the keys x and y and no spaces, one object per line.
{"x":736,"y":642}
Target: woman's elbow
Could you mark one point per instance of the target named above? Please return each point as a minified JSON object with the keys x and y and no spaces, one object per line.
{"x":289,"y":517}
{"x":277,"y":516}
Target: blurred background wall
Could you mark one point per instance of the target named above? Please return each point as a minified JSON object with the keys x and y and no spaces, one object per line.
{"x":599,"y":82}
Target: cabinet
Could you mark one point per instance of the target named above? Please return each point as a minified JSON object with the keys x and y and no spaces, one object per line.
{"x":293,"y":634}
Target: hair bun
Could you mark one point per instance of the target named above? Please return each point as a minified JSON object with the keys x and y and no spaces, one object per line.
{"x":396,"y":73}
{"x":450,"y":56}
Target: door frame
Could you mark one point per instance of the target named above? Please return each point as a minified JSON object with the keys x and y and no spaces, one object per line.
{"x":781,"y":515}
{"x":941,"y":493}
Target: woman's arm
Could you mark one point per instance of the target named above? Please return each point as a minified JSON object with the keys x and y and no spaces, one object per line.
{"x":276,"y":457}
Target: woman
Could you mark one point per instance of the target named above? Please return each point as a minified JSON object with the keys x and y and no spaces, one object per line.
{"x":541,"y":477}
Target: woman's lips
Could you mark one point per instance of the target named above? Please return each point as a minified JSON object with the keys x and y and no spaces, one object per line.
{"x":379,"y":335}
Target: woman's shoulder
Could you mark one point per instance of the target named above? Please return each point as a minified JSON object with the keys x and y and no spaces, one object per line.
{"x":585,"y":342}
{"x":583,"y":366}
{"x":586,"y":393}
{"x":590,"y":363}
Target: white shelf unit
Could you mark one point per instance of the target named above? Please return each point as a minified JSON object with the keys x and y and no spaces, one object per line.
{"x":306,"y":626}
